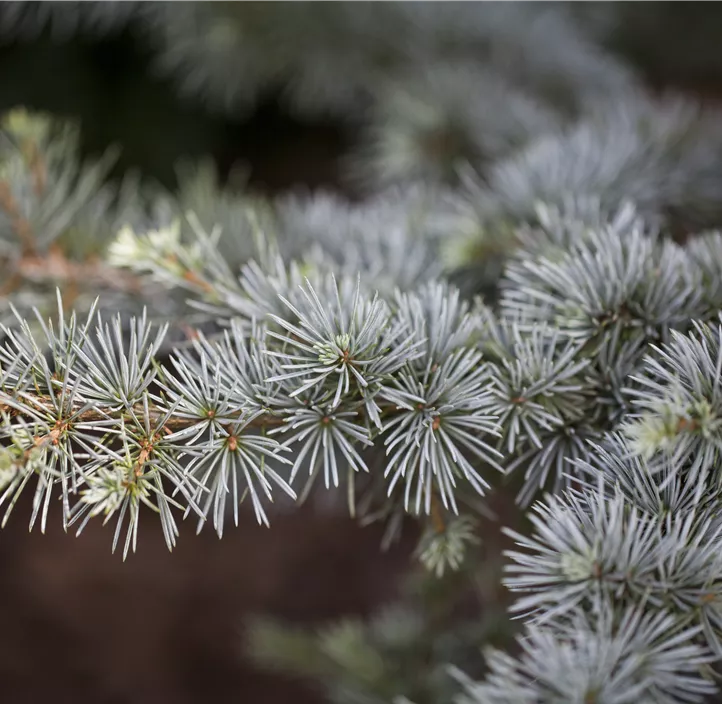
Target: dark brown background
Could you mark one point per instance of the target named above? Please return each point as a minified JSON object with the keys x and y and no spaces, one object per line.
{"x":79,"y":625}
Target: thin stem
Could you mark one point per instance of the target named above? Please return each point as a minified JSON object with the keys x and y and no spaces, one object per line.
{"x":44,"y":405}
{"x":437,"y":515}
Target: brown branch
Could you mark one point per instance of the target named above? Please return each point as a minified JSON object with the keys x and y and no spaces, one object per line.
{"x":38,"y":169}
{"x":44,"y":405}
{"x":78,"y":413}
{"x":196,"y":280}
{"x":57,"y":268}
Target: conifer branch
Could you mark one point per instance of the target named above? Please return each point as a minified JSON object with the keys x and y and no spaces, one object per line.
{"x":332,"y":347}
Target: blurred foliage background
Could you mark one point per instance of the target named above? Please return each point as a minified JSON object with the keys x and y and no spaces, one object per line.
{"x":108,"y":85}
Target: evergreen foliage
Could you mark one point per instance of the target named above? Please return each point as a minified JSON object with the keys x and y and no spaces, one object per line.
{"x":305,"y":344}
